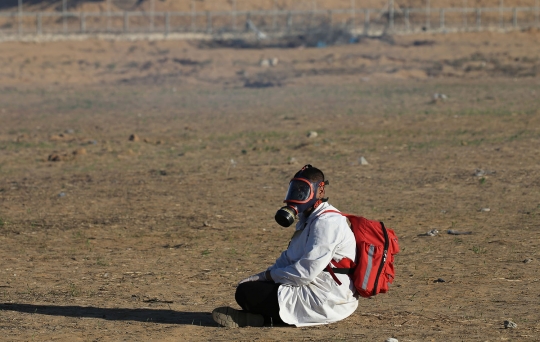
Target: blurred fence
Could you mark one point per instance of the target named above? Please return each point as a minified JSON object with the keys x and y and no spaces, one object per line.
{"x":358,"y":21}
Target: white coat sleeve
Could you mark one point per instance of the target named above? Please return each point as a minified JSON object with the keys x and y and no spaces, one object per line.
{"x":281,"y":262}
{"x":320,"y":246}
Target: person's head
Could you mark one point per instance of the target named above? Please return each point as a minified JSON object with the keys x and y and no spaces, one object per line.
{"x":306,"y":192}
{"x":315,"y":177}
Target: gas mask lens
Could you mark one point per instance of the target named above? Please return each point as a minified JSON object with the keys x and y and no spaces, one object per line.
{"x":299,"y":191}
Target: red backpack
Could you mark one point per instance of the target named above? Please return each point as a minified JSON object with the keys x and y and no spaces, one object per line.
{"x":376,"y":246}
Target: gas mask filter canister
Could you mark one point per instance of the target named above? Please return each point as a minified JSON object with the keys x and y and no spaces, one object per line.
{"x":285,"y":216}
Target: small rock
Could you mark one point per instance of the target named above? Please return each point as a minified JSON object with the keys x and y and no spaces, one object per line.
{"x":274,"y":61}
{"x":363,"y":161}
{"x":438,"y":97}
{"x":439,"y":280}
{"x":509,"y":325}
{"x":207,"y":224}
{"x":528,"y":260}
{"x":106,"y":275}
{"x":79,"y":152}
{"x":479,"y":172}
{"x":92,"y":142}
{"x":54,"y":157}
{"x":134,"y":137}
{"x":69,"y":131}
{"x":391,"y":339}
{"x":62,"y":194}
{"x":485,"y":210}
{"x":482,"y":173}
{"x":312,"y":134}
{"x":264,"y":63}
{"x":57,"y":157}
{"x":233,"y":163}
{"x":293,"y":161}
{"x":432,"y":232}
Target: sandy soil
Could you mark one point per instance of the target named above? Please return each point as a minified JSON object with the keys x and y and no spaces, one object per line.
{"x":462,"y":56}
{"x":106,"y":239}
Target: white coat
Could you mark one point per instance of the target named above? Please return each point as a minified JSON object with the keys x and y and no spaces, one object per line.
{"x":308,"y":295}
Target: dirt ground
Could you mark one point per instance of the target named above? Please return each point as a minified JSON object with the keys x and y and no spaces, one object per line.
{"x":107,"y":239}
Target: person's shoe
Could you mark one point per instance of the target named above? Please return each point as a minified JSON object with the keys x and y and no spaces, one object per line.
{"x":232,"y":318}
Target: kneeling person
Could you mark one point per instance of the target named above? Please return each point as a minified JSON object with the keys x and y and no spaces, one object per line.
{"x":298,"y":289}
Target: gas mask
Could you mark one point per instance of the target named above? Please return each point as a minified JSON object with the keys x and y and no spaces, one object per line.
{"x":300,"y":197}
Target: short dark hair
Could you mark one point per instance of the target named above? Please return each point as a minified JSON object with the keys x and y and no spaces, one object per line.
{"x":311,"y":173}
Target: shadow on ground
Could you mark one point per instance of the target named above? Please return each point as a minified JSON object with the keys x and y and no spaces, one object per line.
{"x":119,"y":314}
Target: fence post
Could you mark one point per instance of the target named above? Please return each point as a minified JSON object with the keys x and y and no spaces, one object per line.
{"x":83,"y":24}
{"x":209,"y":21}
{"x":501,"y":14}
{"x":152,"y":14}
{"x":478,"y":18}
{"x":441,"y":20}
{"x":366,"y":22}
{"x":167,"y":23}
{"x":514,"y":17}
{"x":20,"y":24}
{"x":330,"y":18}
{"x":537,"y":14}
{"x":330,"y":23}
{"x":311,"y":15}
{"x":193,"y":16}
{"x":234,"y":15}
{"x":353,"y":14}
{"x":289,"y":22}
{"x":38,"y":21}
{"x":126,"y":22}
{"x":391,"y":14}
{"x":64,"y":18}
{"x":465,"y":11}
{"x":108,"y":15}
{"x":428,"y":15}
{"x":407,"y":23}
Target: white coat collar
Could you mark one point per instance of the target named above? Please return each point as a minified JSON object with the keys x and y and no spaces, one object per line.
{"x":303,"y":221}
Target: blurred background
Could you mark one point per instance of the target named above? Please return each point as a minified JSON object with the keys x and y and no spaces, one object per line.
{"x":145,"y":147}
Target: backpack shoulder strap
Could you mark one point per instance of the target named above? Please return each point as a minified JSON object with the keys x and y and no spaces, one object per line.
{"x":338,"y":212}
{"x":330,"y":211}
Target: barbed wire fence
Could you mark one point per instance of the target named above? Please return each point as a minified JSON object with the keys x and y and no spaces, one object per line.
{"x":391,"y":19}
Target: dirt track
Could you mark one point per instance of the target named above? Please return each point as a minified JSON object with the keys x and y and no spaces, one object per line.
{"x":140,"y":240}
